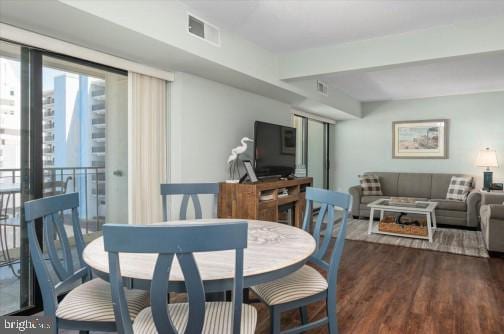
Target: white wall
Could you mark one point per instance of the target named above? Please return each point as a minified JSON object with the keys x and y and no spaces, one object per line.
{"x":207,"y":120}
{"x":476,"y":121}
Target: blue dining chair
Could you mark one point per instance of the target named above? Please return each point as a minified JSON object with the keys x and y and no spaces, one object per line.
{"x":307,"y":285}
{"x":189,"y":191}
{"x":87,"y":307}
{"x":180,"y":241}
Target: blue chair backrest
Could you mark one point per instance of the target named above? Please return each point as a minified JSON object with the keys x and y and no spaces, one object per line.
{"x":188,"y":190}
{"x":49,"y":212}
{"x":328,"y":200}
{"x":168,"y":241}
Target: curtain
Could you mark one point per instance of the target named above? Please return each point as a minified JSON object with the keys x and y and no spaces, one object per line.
{"x":148,"y":147}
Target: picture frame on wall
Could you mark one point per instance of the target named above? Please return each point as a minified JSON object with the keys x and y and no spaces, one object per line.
{"x":424,"y":139}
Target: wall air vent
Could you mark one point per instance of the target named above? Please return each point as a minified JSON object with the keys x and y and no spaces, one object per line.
{"x":322,"y":87}
{"x":203,"y":30}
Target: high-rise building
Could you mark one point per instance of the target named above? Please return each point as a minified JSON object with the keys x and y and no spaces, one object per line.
{"x":9,"y":117}
{"x":74,"y":136}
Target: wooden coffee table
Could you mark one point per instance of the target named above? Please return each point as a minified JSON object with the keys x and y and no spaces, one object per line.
{"x":419,"y":207}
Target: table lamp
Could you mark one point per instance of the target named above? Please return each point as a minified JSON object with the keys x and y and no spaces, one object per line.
{"x":487,"y":158}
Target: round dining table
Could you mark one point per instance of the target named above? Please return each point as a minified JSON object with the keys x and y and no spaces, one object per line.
{"x":274,"y":250}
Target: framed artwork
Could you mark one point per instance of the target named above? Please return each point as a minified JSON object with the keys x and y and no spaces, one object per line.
{"x":288,"y":140}
{"x":420,"y":139}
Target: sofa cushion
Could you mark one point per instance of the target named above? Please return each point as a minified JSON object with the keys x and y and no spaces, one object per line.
{"x":459,"y":188}
{"x":414,"y":185}
{"x":370,"y":185}
{"x":451,"y":213}
{"x":440,"y":184}
{"x":388,"y":182}
{"x":446,"y":204}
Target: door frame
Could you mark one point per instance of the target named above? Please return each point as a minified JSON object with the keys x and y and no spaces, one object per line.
{"x":326,"y":144}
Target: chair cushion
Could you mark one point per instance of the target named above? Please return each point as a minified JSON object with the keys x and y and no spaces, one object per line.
{"x":303,"y":283}
{"x":218,"y":317}
{"x":446,"y":204}
{"x":92,"y":301}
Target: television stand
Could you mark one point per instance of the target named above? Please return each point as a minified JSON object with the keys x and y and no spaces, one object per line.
{"x":261,"y":200}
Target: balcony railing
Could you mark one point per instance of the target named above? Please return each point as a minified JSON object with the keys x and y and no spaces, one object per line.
{"x":84,"y":180}
{"x":87,"y":181}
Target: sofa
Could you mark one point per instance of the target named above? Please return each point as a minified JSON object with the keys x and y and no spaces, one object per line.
{"x":423,"y":187}
{"x":492,"y":222}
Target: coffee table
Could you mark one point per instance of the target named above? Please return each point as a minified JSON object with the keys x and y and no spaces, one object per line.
{"x":419,"y":207}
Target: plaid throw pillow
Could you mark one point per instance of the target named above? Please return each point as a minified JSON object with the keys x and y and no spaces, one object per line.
{"x":370,"y":185}
{"x":459,"y":188}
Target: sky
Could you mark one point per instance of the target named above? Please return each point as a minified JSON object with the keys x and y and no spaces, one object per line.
{"x":48,"y":74}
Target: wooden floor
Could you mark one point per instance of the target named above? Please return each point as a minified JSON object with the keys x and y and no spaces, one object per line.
{"x":391,"y":289}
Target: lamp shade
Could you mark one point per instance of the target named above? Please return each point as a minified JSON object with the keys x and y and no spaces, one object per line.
{"x":487,"y":158}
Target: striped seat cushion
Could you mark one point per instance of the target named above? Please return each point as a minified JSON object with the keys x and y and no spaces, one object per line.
{"x":303,"y":283}
{"x":218,"y":316}
{"x":92,"y":301}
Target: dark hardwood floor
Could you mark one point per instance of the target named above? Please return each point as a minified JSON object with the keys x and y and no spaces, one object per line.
{"x":390,"y":289}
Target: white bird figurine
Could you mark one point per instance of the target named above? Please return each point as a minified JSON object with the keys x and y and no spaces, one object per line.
{"x":235,"y":153}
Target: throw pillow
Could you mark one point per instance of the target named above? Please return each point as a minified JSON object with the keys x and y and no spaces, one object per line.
{"x":459,"y":188}
{"x":370,"y":185}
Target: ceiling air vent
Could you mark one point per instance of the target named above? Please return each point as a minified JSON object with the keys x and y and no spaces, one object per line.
{"x":204,"y":30}
{"x":322,"y":87}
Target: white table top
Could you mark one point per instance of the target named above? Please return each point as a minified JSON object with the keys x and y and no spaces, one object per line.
{"x":382,"y":204}
{"x":271,"y":247}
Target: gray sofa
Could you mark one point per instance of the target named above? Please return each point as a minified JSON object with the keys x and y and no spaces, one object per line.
{"x":492,"y":222}
{"x":423,"y":186}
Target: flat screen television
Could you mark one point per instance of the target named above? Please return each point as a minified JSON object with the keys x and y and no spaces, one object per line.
{"x":275,"y":150}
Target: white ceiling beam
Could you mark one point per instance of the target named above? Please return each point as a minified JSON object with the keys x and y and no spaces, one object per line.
{"x":475,"y":37}
{"x":236,"y":62}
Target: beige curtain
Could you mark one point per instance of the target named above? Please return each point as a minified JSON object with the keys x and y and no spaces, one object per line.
{"x":148,"y":147}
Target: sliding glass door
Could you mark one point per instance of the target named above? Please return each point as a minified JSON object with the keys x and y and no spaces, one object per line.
{"x":85,"y":139}
{"x":312,"y":150}
{"x":15,"y":280}
{"x":63,"y":128}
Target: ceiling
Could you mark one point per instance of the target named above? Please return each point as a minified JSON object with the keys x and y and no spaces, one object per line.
{"x":455,"y":76}
{"x":285,"y":26}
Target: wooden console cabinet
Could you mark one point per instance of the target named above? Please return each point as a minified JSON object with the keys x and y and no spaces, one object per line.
{"x":244,"y":200}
